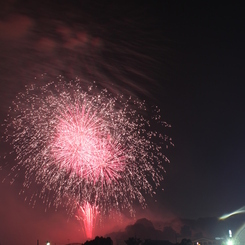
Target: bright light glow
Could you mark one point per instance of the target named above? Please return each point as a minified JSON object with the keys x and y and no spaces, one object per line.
{"x":229,"y":242}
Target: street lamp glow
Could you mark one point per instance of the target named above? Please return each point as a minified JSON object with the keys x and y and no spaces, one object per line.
{"x":229,"y":242}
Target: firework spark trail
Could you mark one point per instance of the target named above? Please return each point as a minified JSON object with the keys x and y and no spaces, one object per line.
{"x":88,"y":214}
{"x":86,"y":145}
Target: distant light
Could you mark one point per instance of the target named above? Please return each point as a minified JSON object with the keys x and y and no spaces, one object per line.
{"x":230,"y":233}
{"x":229,"y":242}
{"x":48,"y":243}
{"x":219,"y":238}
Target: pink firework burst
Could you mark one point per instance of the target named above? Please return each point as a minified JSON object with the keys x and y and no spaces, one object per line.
{"x":86,"y":145}
{"x":83,"y":145}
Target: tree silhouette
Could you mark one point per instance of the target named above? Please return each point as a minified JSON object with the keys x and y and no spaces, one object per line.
{"x":133,"y":241}
{"x":99,"y":241}
{"x":186,"y":242}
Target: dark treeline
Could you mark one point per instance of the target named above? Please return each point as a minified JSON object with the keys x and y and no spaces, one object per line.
{"x":99,"y":241}
{"x":135,"y":241}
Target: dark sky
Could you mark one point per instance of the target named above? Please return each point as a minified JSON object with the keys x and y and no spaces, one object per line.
{"x":185,"y":56}
{"x":207,"y":110}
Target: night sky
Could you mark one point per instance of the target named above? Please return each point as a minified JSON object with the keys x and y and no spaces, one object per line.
{"x":185,"y":56}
